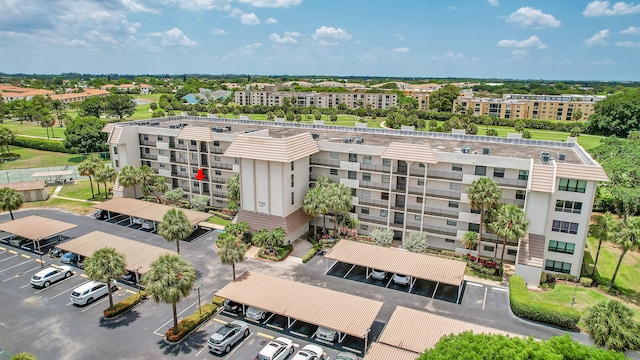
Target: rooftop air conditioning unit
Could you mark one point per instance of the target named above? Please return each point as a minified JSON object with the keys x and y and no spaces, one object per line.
{"x":360,"y":141}
{"x":544,"y":157}
{"x":486,"y":150}
{"x":562,"y":157}
{"x":466,"y":150}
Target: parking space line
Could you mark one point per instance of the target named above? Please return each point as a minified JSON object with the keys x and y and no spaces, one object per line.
{"x":84,"y":276}
{"x":474,"y":284}
{"x":3,"y":249}
{"x":39,"y":261}
{"x":9,"y":258}
{"x":19,"y":275}
{"x":220,"y":321}
{"x":25,"y":256}
{"x":181,"y":312}
{"x":130,"y":291}
{"x":13,"y":251}
{"x":62,"y":293}
{"x":14,"y":266}
{"x":266,"y":336}
{"x":484,"y":300}
{"x":499,"y":289}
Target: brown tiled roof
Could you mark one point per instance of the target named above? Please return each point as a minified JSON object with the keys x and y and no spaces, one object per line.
{"x":147,"y":210}
{"x":581,"y":172}
{"x":272,"y":149}
{"x":531,"y":250}
{"x":108,"y":127}
{"x":259,"y":221}
{"x":398,"y":261}
{"x":349,"y":314}
{"x":542,"y":178}
{"x":198,"y":133}
{"x":36,"y":227}
{"x":410,"y":152}
{"x":379,"y":351}
{"x":114,"y":137}
{"x":27,"y":185}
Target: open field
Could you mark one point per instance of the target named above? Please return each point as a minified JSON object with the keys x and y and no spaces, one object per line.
{"x":218,"y":221}
{"x":82,"y":190}
{"x":32,"y":128}
{"x":32,"y":158}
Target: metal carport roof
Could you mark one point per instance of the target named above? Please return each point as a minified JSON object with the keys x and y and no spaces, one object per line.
{"x":136,"y":254}
{"x":147,"y":210}
{"x":396,"y":261}
{"x":348,"y":314}
{"x":36,"y":227}
{"x":379,"y":351}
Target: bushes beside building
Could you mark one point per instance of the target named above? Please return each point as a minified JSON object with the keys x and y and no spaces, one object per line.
{"x":522,"y":306}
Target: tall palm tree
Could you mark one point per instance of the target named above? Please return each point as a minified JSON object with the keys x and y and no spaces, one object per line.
{"x":340,"y":200}
{"x":86,"y":168}
{"x":160,"y":185}
{"x":169,"y":279}
{"x":103,"y":265}
{"x":231,"y":251}
{"x":484,"y":195}
{"x":314,"y":204}
{"x":509,"y":223}
{"x":105,"y":174}
{"x":147,"y":175}
{"x":601,"y":229}
{"x":627,"y":237}
{"x":236,"y":229}
{"x":233,"y":188}
{"x":10,"y":200}
{"x":129,"y":176}
{"x":175,"y":226}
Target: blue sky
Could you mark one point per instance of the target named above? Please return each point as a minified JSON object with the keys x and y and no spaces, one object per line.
{"x":543,"y":39}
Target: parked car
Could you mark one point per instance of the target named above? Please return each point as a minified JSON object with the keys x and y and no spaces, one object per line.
{"x":310,"y":352}
{"x":277,"y":349}
{"x":100,"y":214}
{"x":81,"y":262}
{"x":401,"y":279}
{"x":48,"y":276}
{"x":69,"y":258}
{"x":232,"y":306}
{"x":227,"y":336}
{"x":255,"y":313}
{"x":378,"y":274}
{"x":18,"y":241}
{"x":136,"y":220}
{"x":56,"y":252}
{"x":346,"y":356}
{"x":90,"y":292}
{"x":147,"y":224}
{"x":325,"y":334}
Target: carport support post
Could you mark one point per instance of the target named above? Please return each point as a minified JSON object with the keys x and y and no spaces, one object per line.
{"x":434,"y":290}
{"x":199,"y":307}
{"x":459,"y":291}
{"x":138,"y":279}
{"x":40,"y":252}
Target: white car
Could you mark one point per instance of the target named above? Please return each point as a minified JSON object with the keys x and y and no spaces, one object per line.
{"x":401,"y":279}
{"x":346,"y":356}
{"x":90,"y":292}
{"x":255,"y":313}
{"x":310,"y":352}
{"x":325,"y":334}
{"x":46,"y":277}
{"x":136,"y":220}
{"x":378,"y":274}
{"x":147,"y":224}
{"x":277,"y":349}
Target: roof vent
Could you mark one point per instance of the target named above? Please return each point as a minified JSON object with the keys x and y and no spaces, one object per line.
{"x":315,"y":136}
{"x":544,"y":157}
{"x":360,"y":141}
{"x":228,"y":128}
{"x":486,"y":150}
{"x":561,"y":157}
{"x":466,"y":150}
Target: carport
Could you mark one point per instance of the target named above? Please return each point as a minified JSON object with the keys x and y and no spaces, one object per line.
{"x":138,"y":256}
{"x":402,"y":262}
{"x":380,"y":351}
{"x":36,"y":229}
{"x":346,"y":314}
{"x":57,"y":175}
{"x":146,"y":210}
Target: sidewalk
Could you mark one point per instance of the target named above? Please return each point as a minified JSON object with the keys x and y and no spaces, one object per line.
{"x":56,"y":196}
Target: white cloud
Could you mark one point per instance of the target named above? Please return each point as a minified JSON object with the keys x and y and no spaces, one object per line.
{"x":218,"y":32}
{"x":282,"y":39}
{"x":629,"y":44}
{"x":448,"y":56}
{"x":631,"y":30}
{"x":604,"y":8}
{"x":598,"y":38}
{"x":605,"y":62}
{"x":329,"y":36}
{"x":531,"y":42}
{"x":528,"y":17}
{"x":174,"y":37}
{"x":400,"y":37}
{"x":401,"y":50}
{"x":133,"y":6}
{"x":493,"y":2}
{"x":292,"y":33}
{"x":251,"y":48}
{"x":249,"y":19}
{"x":271,"y":21}
{"x":271,"y":3}
{"x":96,"y":36}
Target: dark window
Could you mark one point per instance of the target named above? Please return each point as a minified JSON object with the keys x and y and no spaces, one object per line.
{"x":292,"y":166}
{"x":384,"y":196}
{"x":216,"y":143}
{"x":366,"y":176}
{"x":481,"y":170}
{"x":475,"y":211}
{"x":353,"y":157}
{"x":564,"y":227}
{"x":451,"y":241}
{"x":364,"y":210}
{"x":452,"y":223}
{"x":218,"y":172}
{"x":512,"y":252}
{"x":456,"y":167}
{"x":488,"y":248}
{"x":569,"y":206}
{"x":453,"y":204}
{"x":352,"y":175}
{"x":115,"y":150}
{"x":561,"y":247}
{"x":521,"y":194}
{"x":292,"y":198}
{"x":523,"y":175}
{"x":333,"y":171}
{"x":498,"y":172}
{"x":474,"y":227}
{"x":558,"y":266}
{"x":571,"y":185}
{"x":292,"y":178}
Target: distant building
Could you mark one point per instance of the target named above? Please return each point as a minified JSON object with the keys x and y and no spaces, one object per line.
{"x":30,"y":190}
{"x":190,"y":99}
{"x":319,"y":100}
{"x":145,"y":88}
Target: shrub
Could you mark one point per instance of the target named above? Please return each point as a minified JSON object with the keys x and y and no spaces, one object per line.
{"x":586,"y":282}
{"x":566,"y":277}
{"x":492,"y":132}
{"x":382,"y":237}
{"x":186,"y":325}
{"x":524,"y":307}
{"x":310,"y":254}
{"x":218,"y":301}
{"x":42,"y":144}
{"x":282,"y":252}
{"x":124,"y":305}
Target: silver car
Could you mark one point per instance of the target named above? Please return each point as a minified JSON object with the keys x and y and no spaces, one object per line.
{"x":227,"y":336}
{"x":378,"y":274}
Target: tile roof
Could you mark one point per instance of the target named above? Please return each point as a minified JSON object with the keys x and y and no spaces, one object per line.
{"x":147,"y":210}
{"x":379,"y":351}
{"x":531,"y":251}
{"x":259,"y":221}
{"x":410,"y":152}
{"x":272,"y":149}
{"x":27,"y":185}
{"x":581,"y":172}
{"x":36,"y":227}
{"x":542,"y":178}
{"x":197,"y":133}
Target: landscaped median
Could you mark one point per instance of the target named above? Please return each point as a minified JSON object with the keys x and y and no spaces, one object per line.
{"x":522,"y":306}
{"x":191,"y":322}
{"x":125,"y":305}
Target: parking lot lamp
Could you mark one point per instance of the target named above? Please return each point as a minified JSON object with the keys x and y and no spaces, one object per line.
{"x":199,"y":307}
{"x":138,"y":279}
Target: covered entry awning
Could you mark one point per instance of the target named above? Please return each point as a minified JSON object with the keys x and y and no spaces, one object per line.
{"x":138,"y":255}
{"x":345,"y":313}
{"x":147,"y":210}
{"x":35,"y":227}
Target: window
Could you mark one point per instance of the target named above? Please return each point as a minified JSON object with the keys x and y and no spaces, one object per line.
{"x":352,"y":175}
{"x":218,"y":186}
{"x":364,"y":210}
{"x":523,"y":175}
{"x":237,"y":161}
{"x":353,"y":157}
{"x":474,"y":227}
{"x":475,"y":211}
{"x":512,"y":252}
{"x":498,"y":172}
{"x":146,"y":151}
{"x":456,"y":167}
{"x":196,"y":184}
{"x":488,"y":248}
{"x":384,"y":196}
{"x":292,"y":180}
{"x":572,"y":185}
{"x":452,"y":223}
{"x":420,"y":165}
{"x":193,"y":142}
{"x":558,"y":266}
{"x":292,"y":166}
{"x":160,"y":138}
{"x":481,"y":170}
{"x":365,"y":194}
{"x":218,"y":172}
{"x":117,"y":163}
{"x":419,"y":200}
{"x":383,"y":213}
{"x":364,"y":227}
{"x":194,"y":157}
{"x":564,"y":227}
{"x":417,"y":217}
{"x":366,"y":176}
{"x":568,"y":206}
{"x":115,"y":150}
{"x":180,"y":142}
{"x":386,"y":162}
{"x":181,"y":155}
{"x":335,"y":155}
{"x":145,"y":137}
{"x":333,"y":171}
{"x":521,"y":194}
{"x":184,"y":169}
{"x":420,"y":182}
{"x":353,"y":192}
{"x":217,"y":158}
{"x":386,"y":179}
{"x":366,"y":159}
{"x":450,"y":241}
{"x":162,"y":165}
{"x":561,"y":247}
{"x":216,"y":143}
{"x":454,"y":186}
{"x":453,"y":204}
{"x":292,"y":198}
{"x":160,"y":152}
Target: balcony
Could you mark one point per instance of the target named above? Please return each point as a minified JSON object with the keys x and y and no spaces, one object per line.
{"x":205,"y":178}
{"x":177,"y":146}
{"x":444,"y":175}
{"x":372,"y":219}
{"x":370,"y":202}
{"x":400,"y":170}
{"x":185,"y":188}
{"x":216,"y":150}
{"x":219,"y":194}
{"x":376,"y":168}
{"x":442,"y":194}
{"x":148,"y":143}
{"x":333,"y":178}
{"x":399,"y":188}
{"x":222,"y":166}
{"x":193,"y":147}
{"x":433,"y":211}
{"x":374,"y":185}
{"x":511,"y":182}
{"x":179,"y":174}
{"x":148,"y":156}
{"x":323,"y":162}
{"x":517,"y":202}
{"x":218,"y":180}
{"x":204,"y":162}
{"x":432,"y":229}
{"x":179,"y":160}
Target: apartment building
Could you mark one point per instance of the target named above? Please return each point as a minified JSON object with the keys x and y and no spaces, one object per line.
{"x":319,"y":100}
{"x":527,"y":106}
{"x":401,"y":180}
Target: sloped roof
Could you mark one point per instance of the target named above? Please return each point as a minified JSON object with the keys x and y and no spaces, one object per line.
{"x":36,"y":227}
{"x":410,"y":152}
{"x":379,"y":351}
{"x":289,"y":223}
{"x":272,"y":149}
{"x":26,"y":185}
{"x":114,"y":137}
{"x":581,"y":172}
{"x":198,"y":133}
{"x":542,"y":178}
{"x":147,"y":210}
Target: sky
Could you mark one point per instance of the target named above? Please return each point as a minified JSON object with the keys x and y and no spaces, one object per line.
{"x":541,"y":39}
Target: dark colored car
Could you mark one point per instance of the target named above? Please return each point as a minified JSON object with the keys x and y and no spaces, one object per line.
{"x":231,"y":306}
{"x":100,"y":214}
{"x":56,"y":252}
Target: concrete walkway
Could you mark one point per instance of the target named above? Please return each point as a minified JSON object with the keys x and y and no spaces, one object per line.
{"x":56,"y":196}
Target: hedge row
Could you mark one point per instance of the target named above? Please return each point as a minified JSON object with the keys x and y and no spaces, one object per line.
{"x":40,"y":144}
{"x":522,"y":306}
{"x":313,"y":251}
{"x":186,"y":325}
{"x":125,"y":305}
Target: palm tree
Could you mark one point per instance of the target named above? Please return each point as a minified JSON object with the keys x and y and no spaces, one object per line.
{"x":169,"y":279}
{"x":175,"y":227}
{"x":627,"y":237}
{"x":87,"y":168}
{"x":314,"y":204}
{"x":129,"y":176}
{"x":103,"y":265}
{"x":611,"y":325}
{"x":231,"y":251}
{"x":484,"y":195}
{"x":160,"y":185}
{"x":339,"y":200}
{"x":233,"y":188}
{"x":58,"y":107}
{"x":147,"y":175}
{"x":105,"y":174}
{"x":470,"y":240}
{"x":268,"y":240}
{"x":236,"y":229}
{"x":601,"y":229}
{"x":10,"y":200}
{"x":509,"y":223}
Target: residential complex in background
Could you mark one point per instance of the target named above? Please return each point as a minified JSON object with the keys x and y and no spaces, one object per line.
{"x":11,"y":93}
{"x":320,"y":100}
{"x":402,"y":180}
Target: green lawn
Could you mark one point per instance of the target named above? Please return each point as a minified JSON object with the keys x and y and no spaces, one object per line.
{"x":218,"y":221}
{"x":32,"y":158}
{"x":148,"y":97}
{"x":82,"y":190}
{"x":32,"y":128}
{"x":77,"y":207}
{"x":628,"y":275}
